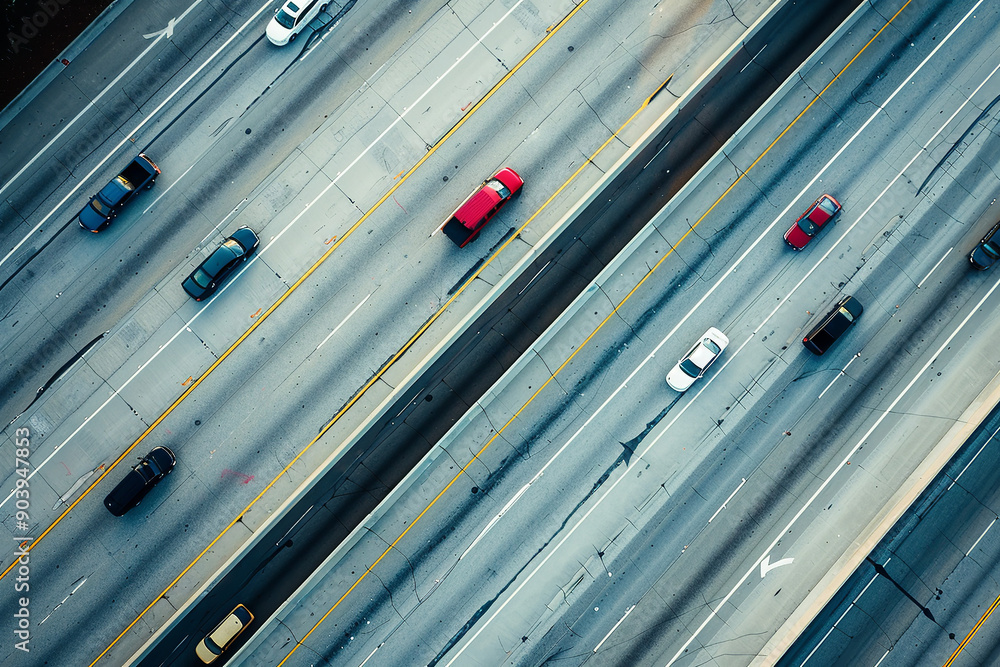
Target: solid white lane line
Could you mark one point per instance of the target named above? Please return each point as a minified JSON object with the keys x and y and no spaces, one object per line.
{"x":246,"y":265}
{"x":336,"y":328}
{"x":921,"y":283}
{"x":657,"y":153}
{"x":981,"y":536}
{"x":163,"y":193}
{"x":493,"y":521}
{"x":838,"y":375}
{"x":371,"y":654}
{"x":533,"y":278}
{"x":754,"y":58}
{"x":114,"y":82}
{"x":959,"y":476}
{"x":781,"y":216}
{"x":601,"y":643}
{"x":723,"y":506}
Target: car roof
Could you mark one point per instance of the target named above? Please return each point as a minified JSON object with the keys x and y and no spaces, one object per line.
{"x":219,"y":258}
{"x":475,"y":209}
{"x":702,"y":354}
{"x":825,"y":209}
{"x":231,"y":626}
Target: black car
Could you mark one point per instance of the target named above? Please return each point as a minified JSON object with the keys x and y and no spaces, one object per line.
{"x":833,"y":325}
{"x":988,"y":250}
{"x":140,"y":479}
{"x":234,"y":250}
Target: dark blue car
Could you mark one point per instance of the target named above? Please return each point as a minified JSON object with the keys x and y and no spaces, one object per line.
{"x":235,"y":250}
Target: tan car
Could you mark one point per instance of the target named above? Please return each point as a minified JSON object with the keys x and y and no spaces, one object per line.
{"x":224,"y":634}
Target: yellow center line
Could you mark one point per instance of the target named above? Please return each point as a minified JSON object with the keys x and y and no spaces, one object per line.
{"x":284,"y":296}
{"x":972,"y":632}
{"x":553,"y":376}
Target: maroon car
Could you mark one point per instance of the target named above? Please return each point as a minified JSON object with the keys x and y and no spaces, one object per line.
{"x":470,"y":218}
{"x":809,"y":223}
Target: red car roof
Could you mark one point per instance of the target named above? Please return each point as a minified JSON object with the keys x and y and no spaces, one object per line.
{"x":472,"y":212}
{"x":798,"y":238}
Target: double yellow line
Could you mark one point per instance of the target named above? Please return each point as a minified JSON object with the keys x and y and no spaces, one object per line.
{"x":972,"y":633}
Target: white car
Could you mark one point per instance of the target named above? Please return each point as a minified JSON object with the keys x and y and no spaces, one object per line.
{"x":694,"y":364}
{"x":291,"y":18}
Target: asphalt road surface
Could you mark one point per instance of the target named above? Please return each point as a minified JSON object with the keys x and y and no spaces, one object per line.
{"x":929,"y":587}
{"x":257,"y":153}
{"x":615,"y":521}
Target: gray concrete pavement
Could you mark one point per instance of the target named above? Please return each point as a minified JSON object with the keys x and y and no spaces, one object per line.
{"x":246,"y":423}
{"x":923,"y":589}
{"x":576,"y":514}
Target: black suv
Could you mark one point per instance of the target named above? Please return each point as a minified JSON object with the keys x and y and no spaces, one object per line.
{"x":988,"y":250}
{"x":140,"y":479}
{"x":833,"y":325}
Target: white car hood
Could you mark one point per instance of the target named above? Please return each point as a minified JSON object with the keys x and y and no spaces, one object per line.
{"x":277,"y":33}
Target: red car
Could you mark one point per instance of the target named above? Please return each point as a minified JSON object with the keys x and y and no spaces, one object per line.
{"x":470,"y":218}
{"x":809,"y":223}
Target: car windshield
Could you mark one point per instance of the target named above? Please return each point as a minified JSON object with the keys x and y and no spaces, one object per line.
{"x":807,"y":226}
{"x":284,"y":19}
{"x":847,"y":314}
{"x":212,"y":646}
{"x":689,"y":367}
{"x":501,"y":189}
{"x":992,"y":248}
{"x":828,"y":206}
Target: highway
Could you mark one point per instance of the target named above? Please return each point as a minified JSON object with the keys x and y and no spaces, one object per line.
{"x":925,"y":594}
{"x":584,"y":512}
{"x":245,"y":424}
{"x":396,"y":451}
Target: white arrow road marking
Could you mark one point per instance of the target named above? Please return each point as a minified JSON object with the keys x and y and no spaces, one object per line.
{"x":167,"y":32}
{"x":765,"y":565}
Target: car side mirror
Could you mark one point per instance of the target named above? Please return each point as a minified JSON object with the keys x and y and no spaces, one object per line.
{"x":276,"y":9}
